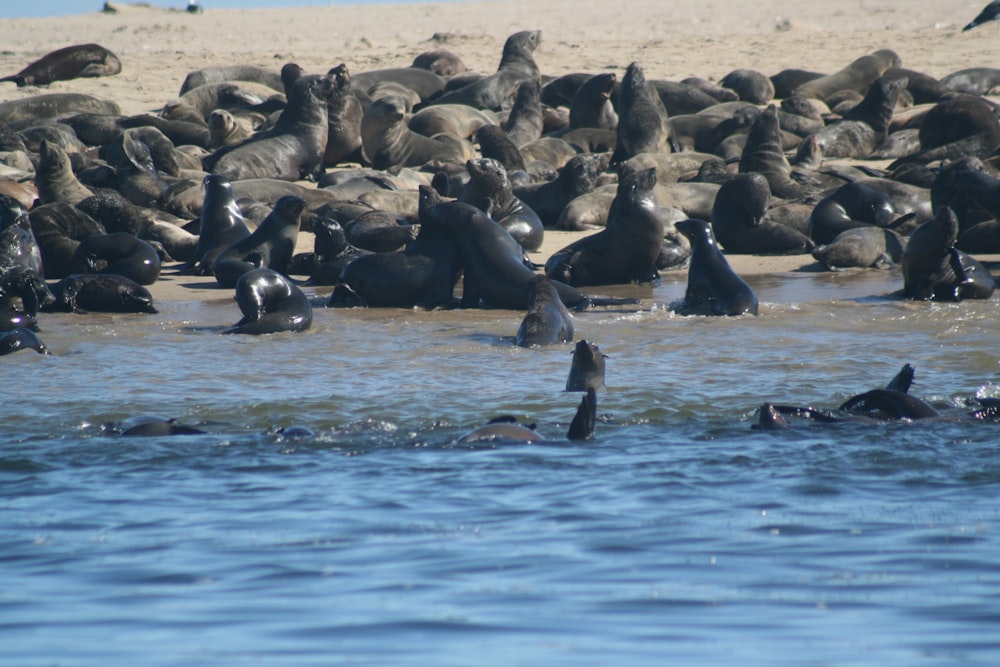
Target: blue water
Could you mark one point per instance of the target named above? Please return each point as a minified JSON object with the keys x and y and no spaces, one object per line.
{"x":12,"y":9}
{"x":678,"y":535}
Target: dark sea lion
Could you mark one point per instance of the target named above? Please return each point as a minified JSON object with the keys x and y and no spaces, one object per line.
{"x":861,"y":247}
{"x":293,"y":149}
{"x":888,"y":404}
{"x":69,"y":62}
{"x":591,"y":104}
{"x":953,"y":129}
{"x":120,"y":253}
{"x":424,"y":274}
{"x":196,"y":104}
{"x":18,"y":246}
{"x":226,"y":73}
{"x":787,"y":80}
{"x":502,"y":429}
{"x":524,"y":122}
{"x":442,"y":62}
{"x":101,"y":293}
{"x":738,"y":219}
{"x":494,"y":143}
{"x":713,"y":90}
{"x":54,"y":132}
{"x":270,"y":246}
{"x":458,"y":119}
{"x":53,"y":105}
{"x":991,"y":12}
{"x":677,"y":98}
{"x":983,"y":237}
{"x":178,"y":131}
{"x":577,"y":177}
{"x":388,"y":141}
{"x":627,"y":249}
{"x":58,"y":229}
{"x":586,"y":371}
{"x":490,"y":191}
{"x":151,"y":426}
{"x":550,"y":150}
{"x":547,"y":321}
{"x":642,"y":119}
{"x":763,"y":154}
{"x":517,"y":65}
{"x":865,"y":126}
{"x":23,"y":293}
{"x":749,"y":85}
{"x":270,"y":303}
{"x":344,"y":112}
{"x":974,"y":80}
{"x":331,"y":253}
{"x":21,"y":339}
{"x":582,"y":426}
{"x":857,"y":76}
{"x":851,"y":205}
{"x":380,"y":231}
{"x":55,"y":179}
{"x":934,"y":269}
{"x":924,"y":88}
{"x":424,"y":83}
{"x":713,"y":288}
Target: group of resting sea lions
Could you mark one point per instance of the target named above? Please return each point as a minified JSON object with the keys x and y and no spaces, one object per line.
{"x":428,"y":174}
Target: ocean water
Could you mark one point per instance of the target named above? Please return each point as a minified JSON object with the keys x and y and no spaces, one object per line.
{"x":13,"y":9}
{"x":677,"y":535}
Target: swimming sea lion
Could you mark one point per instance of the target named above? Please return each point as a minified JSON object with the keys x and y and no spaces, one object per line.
{"x":270,"y":246}
{"x":587,"y":368}
{"x":270,"y":303}
{"x":21,"y":339}
{"x":547,"y":321}
{"x":713,"y":288}
{"x":69,"y":62}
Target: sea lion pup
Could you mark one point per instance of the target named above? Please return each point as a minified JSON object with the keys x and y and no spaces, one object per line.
{"x":866,"y":126}
{"x":857,"y":76}
{"x":524,"y":122}
{"x":740,"y":224}
{"x":861,"y":247}
{"x":849,"y":206}
{"x":494,"y":91}
{"x":344,"y":112}
{"x":226,"y":73}
{"x":69,"y":62}
{"x":713,"y":288}
{"x":270,"y":303}
{"x":586,"y":371}
{"x":442,"y":62}
{"x":933,"y":269}
{"x":424,"y":274}
{"x":222,"y":225}
{"x":120,"y":253}
{"x":21,"y":339}
{"x":577,"y":177}
{"x":490,"y":191}
{"x":642,"y":119}
{"x":973,"y":80}
{"x":953,"y":129}
{"x":591,"y":104}
{"x":226,"y":130}
{"x":106,"y":293}
{"x":55,"y":179}
{"x":547,"y":321}
{"x":626,"y":250}
{"x":749,"y":85}
{"x":388,"y":142}
{"x":270,"y":246}
{"x":293,"y":149}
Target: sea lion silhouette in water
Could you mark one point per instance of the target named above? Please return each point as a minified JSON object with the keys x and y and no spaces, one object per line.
{"x":587,"y":368}
{"x":933,"y":268}
{"x":507,"y":428}
{"x":270,"y":303}
{"x":547,"y":321}
{"x":21,"y":339}
{"x":713,"y":288}
{"x":69,"y":62}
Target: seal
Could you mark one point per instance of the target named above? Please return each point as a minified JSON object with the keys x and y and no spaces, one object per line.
{"x":460,"y":120}
{"x":494,"y":143}
{"x":120,"y":253}
{"x":502,"y":429}
{"x":18,"y":247}
{"x":547,"y":321}
{"x":41,"y":107}
{"x":55,"y":179}
{"x":380,"y":231}
{"x":222,"y":225}
{"x":270,"y":303}
{"x":490,"y":191}
{"x":270,"y":246}
{"x":626,"y":250}
{"x":577,"y":177}
{"x":344,"y":111}
{"x":331,"y":253}
{"x":866,"y":126}
{"x":293,"y":149}
{"x":524,"y":122}
{"x":740,"y":224}
{"x":973,"y":80}
{"x":861,"y":247}
{"x":388,"y":141}
{"x":69,"y":62}
{"x":424,"y":83}
{"x":582,"y":426}
{"x":764,"y":155}
{"x":933,"y":269}
{"x":21,"y":339}
{"x":226,"y":73}
{"x":105,"y":293}
{"x":591,"y":104}
{"x":58,"y":229}
{"x":953,"y":129}
{"x":442,"y":62}
{"x":517,"y":64}
{"x":642,"y":119}
{"x":749,"y":85}
{"x":713,"y":288}
{"x":857,"y":76}
{"x":849,"y":206}
{"x":586,"y":371}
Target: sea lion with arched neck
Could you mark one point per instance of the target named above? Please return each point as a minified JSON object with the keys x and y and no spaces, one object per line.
{"x":643,"y":126}
{"x":270,"y":246}
{"x":933,"y":269}
{"x":517,"y":64}
{"x":270,"y":303}
{"x":713,"y":288}
{"x":222,"y":225}
{"x":490,"y":191}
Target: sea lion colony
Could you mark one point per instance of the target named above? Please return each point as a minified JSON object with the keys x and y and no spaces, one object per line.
{"x":430,"y":173}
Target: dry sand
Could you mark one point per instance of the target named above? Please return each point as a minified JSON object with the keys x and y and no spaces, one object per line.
{"x":671,"y":40}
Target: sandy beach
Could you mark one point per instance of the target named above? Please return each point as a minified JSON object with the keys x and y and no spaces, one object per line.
{"x":707,"y":38}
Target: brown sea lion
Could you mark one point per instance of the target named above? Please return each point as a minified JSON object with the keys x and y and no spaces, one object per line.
{"x":69,"y":62}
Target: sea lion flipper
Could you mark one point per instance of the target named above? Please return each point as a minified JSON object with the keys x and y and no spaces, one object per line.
{"x":582,"y":426}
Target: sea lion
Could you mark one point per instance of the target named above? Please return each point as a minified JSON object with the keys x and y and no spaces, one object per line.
{"x":270,"y":246}
{"x":953,"y":129}
{"x":331,"y":254}
{"x":501,"y":429}
{"x":933,"y":269}
{"x":749,"y":85}
{"x":458,"y":119}
{"x":857,"y":76}
{"x":582,"y":426}
{"x":577,"y":177}
{"x":21,"y":339}
{"x":18,"y":246}
{"x":627,"y":249}
{"x":101,"y":293}
{"x":787,"y":80}
{"x":196,"y":104}
{"x":293,"y":149}
{"x":974,"y":80}
{"x":388,"y":141}
{"x":524,"y":122}
{"x":69,"y":62}
{"x":442,"y":62}
{"x":861,"y":247}
{"x":516,"y":66}
{"x":851,"y":205}
{"x":763,"y":154}
{"x":55,"y":179}
{"x":991,"y":12}
{"x":587,"y":369}
{"x":591,"y":104}
{"x":270,"y":303}
{"x":547,"y":321}
{"x":380,"y":231}
{"x":226,"y":73}
{"x":424,"y":83}
{"x":494,"y":143}
{"x":642,"y":119}
{"x":344,"y":111}
{"x":713,"y":288}
{"x":151,"y":426}
{"x":52,"y":105}
{"x":490,"y":191}
{"x":888,"y":404}
{"x":120,"y":253}
{"x":58,"y":229}
{"x":713,"y":90}
{"x":740,"y":224}
{"x":865,"y":126}
{"x":227,"y":130}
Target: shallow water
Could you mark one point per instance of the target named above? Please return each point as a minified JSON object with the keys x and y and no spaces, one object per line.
{"x":677,"y":534}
